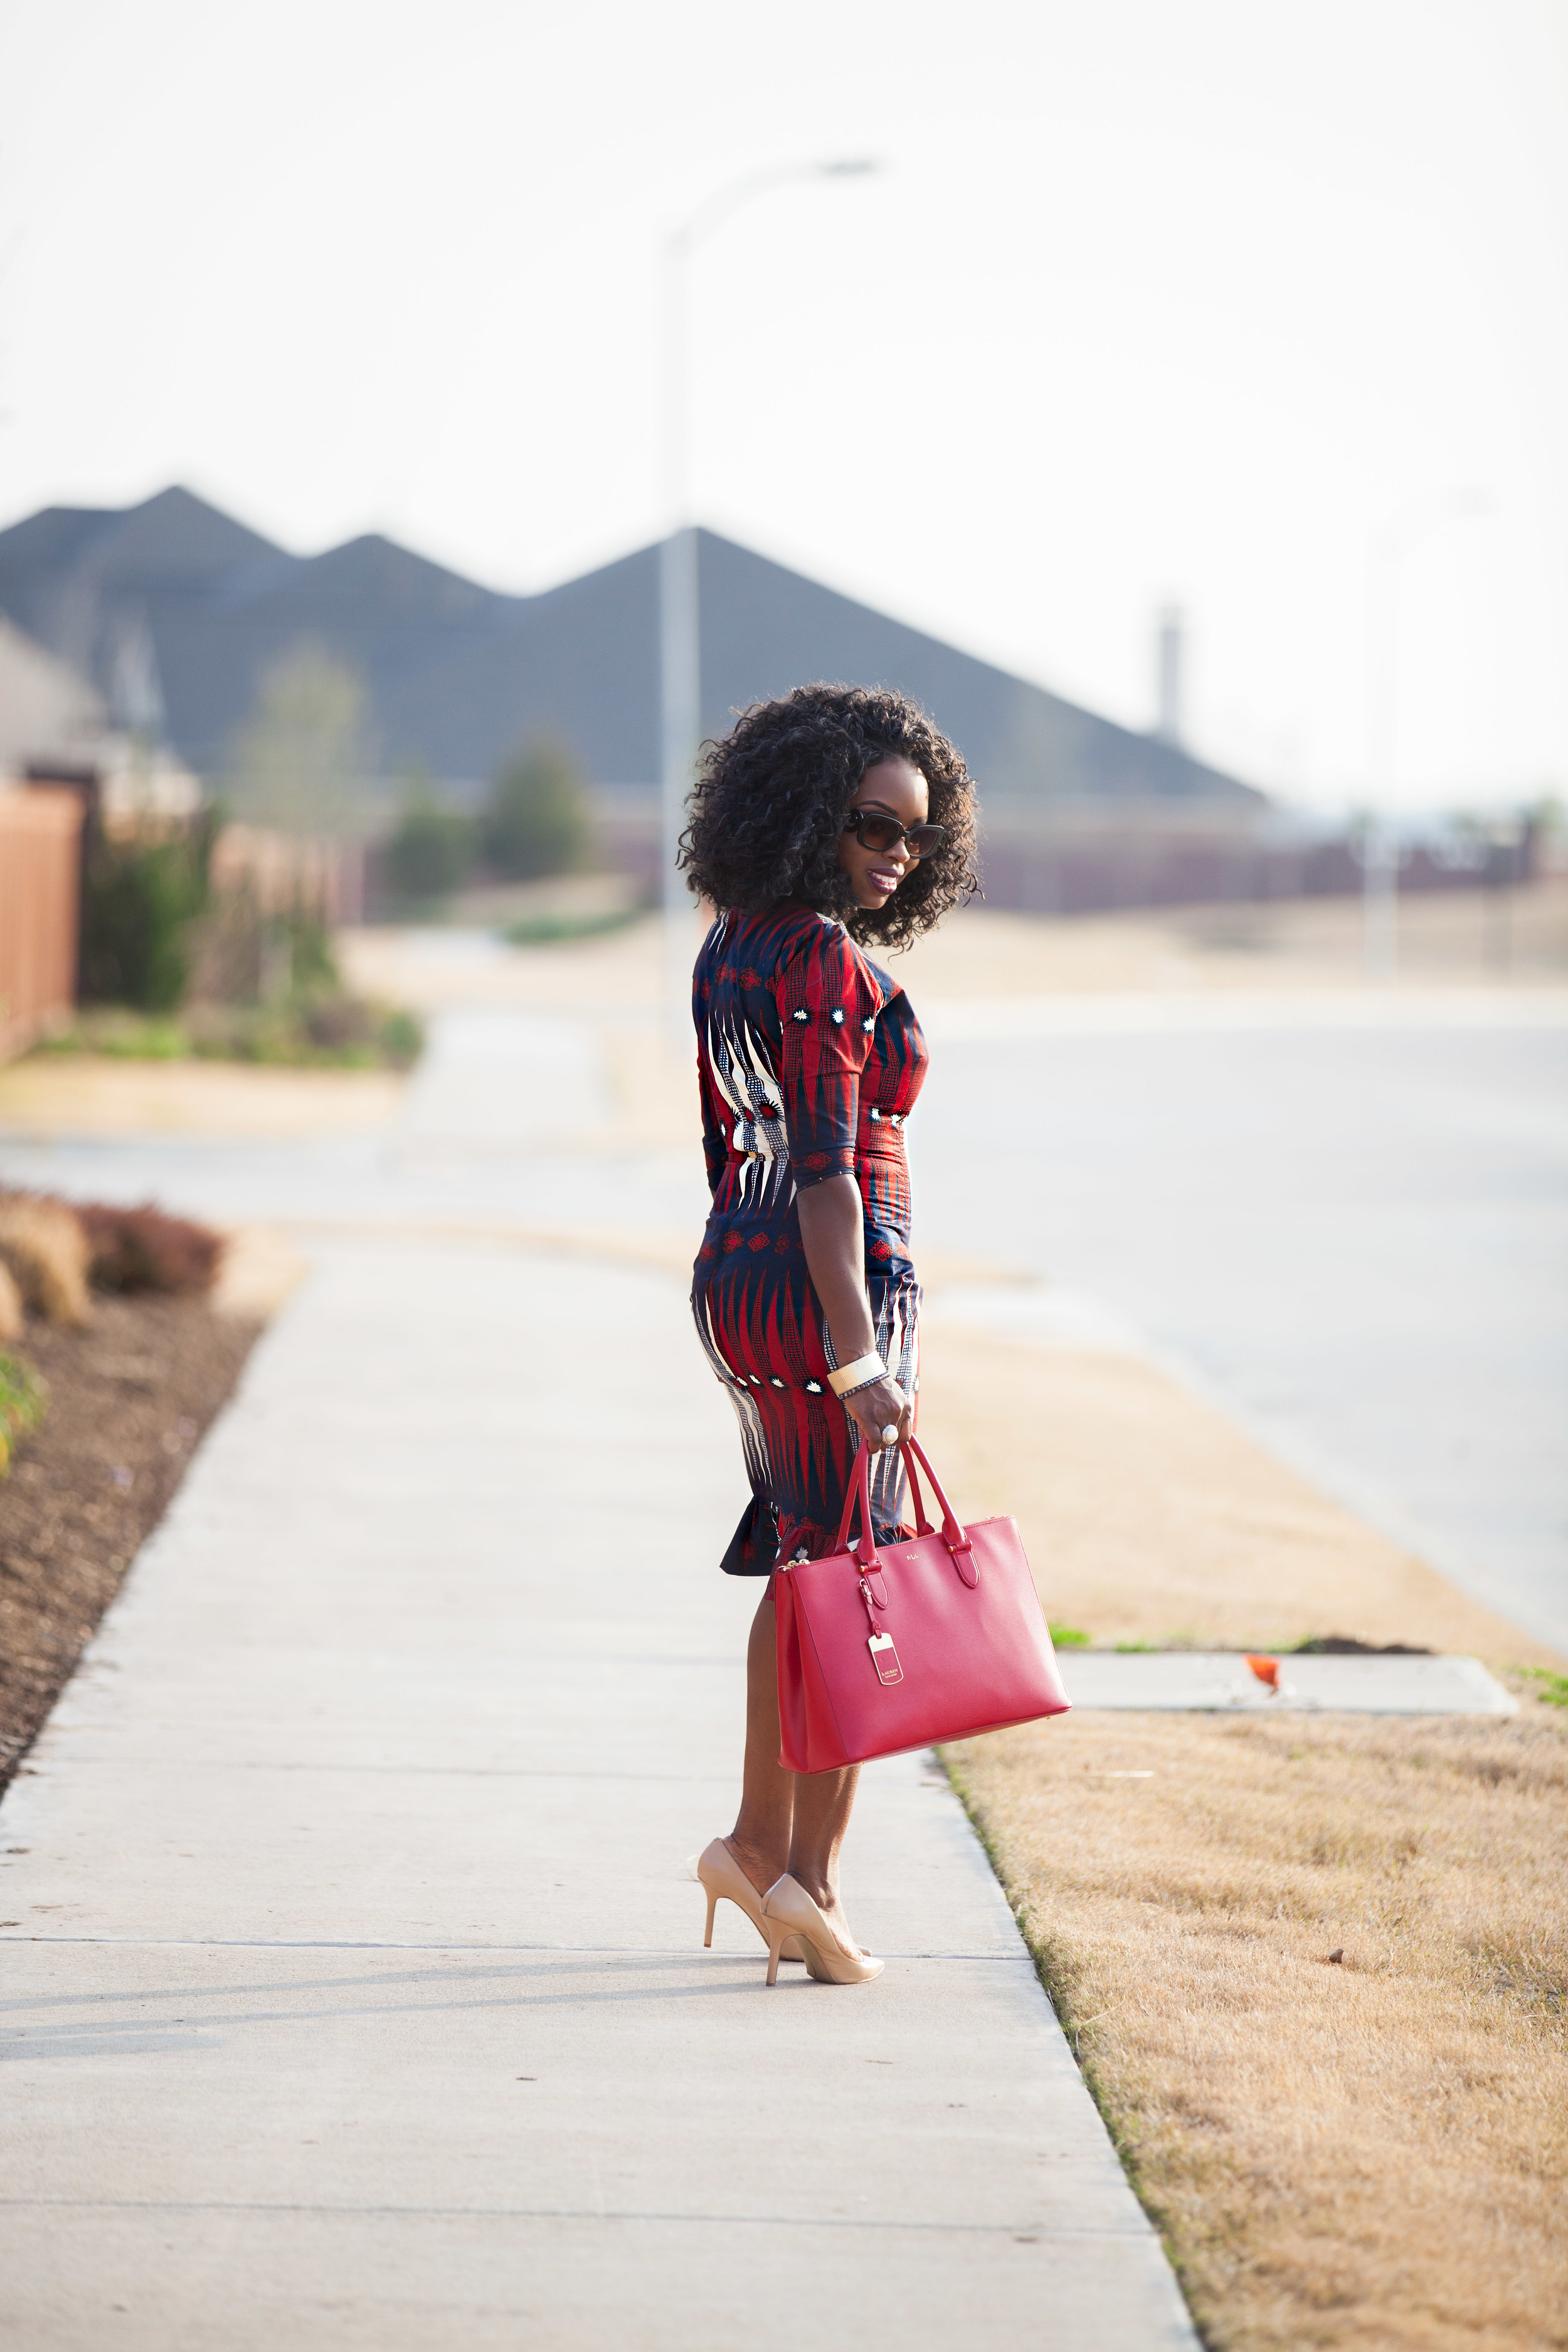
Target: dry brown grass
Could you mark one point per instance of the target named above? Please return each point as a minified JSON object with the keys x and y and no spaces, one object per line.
{"x":43,"y":1244}
{"x":1149,"y":1516}
{"x":1360,"y":2154}
{"x":1447,"y":939}
{"x":1371,"y":2153}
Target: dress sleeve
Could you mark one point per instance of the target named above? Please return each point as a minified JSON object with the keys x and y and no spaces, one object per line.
{"x":715,"y":1136}
{"x":829,"y":1003}
{"x":715,"y":1123}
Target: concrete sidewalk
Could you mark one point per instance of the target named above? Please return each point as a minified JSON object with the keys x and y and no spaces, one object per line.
{"x":356,"y":1995}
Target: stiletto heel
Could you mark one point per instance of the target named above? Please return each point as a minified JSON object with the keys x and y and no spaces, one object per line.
{"x":719,"y":1874}
{"x":786,"y":1909}
{"x":775,"y":1945}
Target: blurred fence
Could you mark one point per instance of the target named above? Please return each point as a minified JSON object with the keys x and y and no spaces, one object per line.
{"x":40,"y":870}
{"x":285,"y":871}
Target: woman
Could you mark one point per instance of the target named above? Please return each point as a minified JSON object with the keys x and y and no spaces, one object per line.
{"x":836,"y":817}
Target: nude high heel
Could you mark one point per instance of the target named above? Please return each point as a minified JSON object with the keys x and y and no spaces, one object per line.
{"x":788,"y":1909}
{"x":721,"y":1877}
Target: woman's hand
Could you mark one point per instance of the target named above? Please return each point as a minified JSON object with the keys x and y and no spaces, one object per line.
{"x":874,"y":1408}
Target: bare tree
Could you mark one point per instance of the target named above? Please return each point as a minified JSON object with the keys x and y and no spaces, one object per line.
{"x":295,"y":765}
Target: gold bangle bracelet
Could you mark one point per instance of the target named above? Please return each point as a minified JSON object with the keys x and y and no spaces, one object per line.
{"x":857,"y":1375}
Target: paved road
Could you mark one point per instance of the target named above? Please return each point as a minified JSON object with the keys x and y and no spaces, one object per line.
{"x":1357,"y":1235}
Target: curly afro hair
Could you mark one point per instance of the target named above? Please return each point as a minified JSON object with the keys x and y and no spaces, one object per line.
{"x":770,"y":798}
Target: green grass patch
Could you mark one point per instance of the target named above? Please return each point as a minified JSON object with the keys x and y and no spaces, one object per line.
{"x":1553,"y":1688}
{"x":1069,"y":1637}
{"x":24,"y":1401}
{"x":123,"y":1036}
{"x":333,"y":1031}
{"x":551,"y":930}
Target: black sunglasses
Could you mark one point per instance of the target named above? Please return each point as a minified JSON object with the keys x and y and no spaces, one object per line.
{"x":874,"y":831}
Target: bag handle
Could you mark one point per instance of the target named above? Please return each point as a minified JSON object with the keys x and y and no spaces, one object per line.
{"x":859,"y":1491}
{"x":952,"y":1534}
{"x":922,"y":1524}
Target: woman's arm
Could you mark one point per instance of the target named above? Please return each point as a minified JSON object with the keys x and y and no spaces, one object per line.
{"x":713,"y":1123}
{"x":833,"y":1230}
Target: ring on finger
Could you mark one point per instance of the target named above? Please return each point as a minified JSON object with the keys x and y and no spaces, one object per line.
{"x":890,"y":1433}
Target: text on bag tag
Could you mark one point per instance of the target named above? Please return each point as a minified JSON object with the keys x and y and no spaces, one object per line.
{"x":885,"y":1658}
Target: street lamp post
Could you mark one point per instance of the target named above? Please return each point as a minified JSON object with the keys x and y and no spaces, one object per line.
{"x":1380,"y":849}
{"x":679,"y":611}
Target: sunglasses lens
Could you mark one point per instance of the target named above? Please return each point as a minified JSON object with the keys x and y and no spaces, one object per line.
{"x":879,"y":832}
{"x":925,"y":838}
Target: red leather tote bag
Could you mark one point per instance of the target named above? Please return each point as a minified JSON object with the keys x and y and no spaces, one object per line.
{"x":936,"y":1638}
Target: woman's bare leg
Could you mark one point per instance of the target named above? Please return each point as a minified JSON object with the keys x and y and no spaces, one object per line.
{"x":823,"y":1801}
{"x":787,"y":1820}
{"x":763,"y":1825}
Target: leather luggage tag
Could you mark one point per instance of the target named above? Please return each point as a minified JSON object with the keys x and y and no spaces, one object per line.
{"x":885,"y":1658}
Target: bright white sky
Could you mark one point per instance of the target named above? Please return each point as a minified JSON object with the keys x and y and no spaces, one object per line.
{"x":1155,"y":299}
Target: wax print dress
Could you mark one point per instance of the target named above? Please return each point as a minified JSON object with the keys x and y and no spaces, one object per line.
{"x":809,"y":1059}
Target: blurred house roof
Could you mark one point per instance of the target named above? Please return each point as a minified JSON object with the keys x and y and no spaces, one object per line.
{"x":48,"y":709}
{"x":456,"y":675}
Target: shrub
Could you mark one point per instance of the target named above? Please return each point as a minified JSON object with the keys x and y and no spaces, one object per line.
{"x":44,"y":1247}
{"x":143,"y":1249}
{"x":23,"y":1400}
{"x":433,"y":849}
{"x":337,"y":1032}
{"x":141,"y":900}
{"x":401,"y":1038}
{"x":538,"y":821}
{"x":248,"y":952}
{"x":337,"y":1025}
{"x":53,"y":1249}
{"x":333,"y":1023}
{"x":312,"y":966}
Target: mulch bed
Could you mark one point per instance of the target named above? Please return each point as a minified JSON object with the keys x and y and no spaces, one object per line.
{"x":131,"y":1395}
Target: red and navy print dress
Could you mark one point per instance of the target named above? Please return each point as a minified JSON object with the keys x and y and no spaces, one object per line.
{"x":809,"y":1059}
